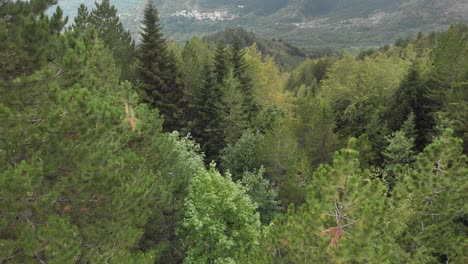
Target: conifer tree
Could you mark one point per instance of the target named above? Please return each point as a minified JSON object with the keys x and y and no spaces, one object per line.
{"x":221,"y":63}
{"x":175,"y":93}
{"x":399,"y":152}
{"x":436,"y":187}
{"x":208,"y":129}
{"x":106,"y":22}
{"x":57,"y":21}
{"x":195,"y":55}
{"x":82,"y":19}
{"x":235,"y":114}
{"x":342,"y":222}
{"x":23,"y":24}
{"x":410,"y":98}
{"x":245,"y":82}
{"x":158,"y":87}
{"x":237,"y":59}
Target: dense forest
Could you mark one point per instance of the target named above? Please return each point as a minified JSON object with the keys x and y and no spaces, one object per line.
{"x":112,"y":152}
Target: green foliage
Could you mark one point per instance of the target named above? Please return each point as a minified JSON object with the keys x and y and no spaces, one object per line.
{"x":358,"y":90}
{"x":87,"y":174}
{"x":284,"y":163}
{"x":85,"y":170}
{"x":57,"y":21}
{"x":234,"y":112}
{"x":106,"y":22}
{"x":342,"y":221}
{"x":309,"y":73}
{"x":410,"y":98}
{"x":220,"y":222}
{"x":398,"y":153}
{"x":436,"y":187}
{"x":263,"y":194}
{"x":157,"y":72}
{"x":284,"y":55}
{"x":315,"y":131}
{"x":221,"y":63}
{"x":24,"y":36}
{"x":243,"y":155}
{"x":195,"y":69}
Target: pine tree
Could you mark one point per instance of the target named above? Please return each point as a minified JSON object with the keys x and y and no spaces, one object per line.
{"x":25,"y":32}
{"x":221,"y":63}
{"x":399,"y":152}
{"x":86,"y":172}
{"x":245,"y":82}
{"x":410,"y":98}
{"x":82,"y":19}
{"x":436,"y":188}
{"x":107,"y":24}
{"x":237,"y":59}
{"x":175,"y":93}
{"x":235,"y":114}
{"x":343,"y":221}
{"x":315,"y":131}
{"x":57,"y":21}
{"x":208,"y":129}
{"x":158,"y":87}
{"x":195,"y":55}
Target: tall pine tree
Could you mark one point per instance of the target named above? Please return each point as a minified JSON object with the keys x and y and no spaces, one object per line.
{"x":208,"y":130}
{"x":105,"y":20}
{"x":245,"y":82}
{"x":221,"y":63}
{"x":156,"y":71}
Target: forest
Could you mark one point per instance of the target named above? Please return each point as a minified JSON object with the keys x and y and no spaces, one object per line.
{"x":112,"y":152}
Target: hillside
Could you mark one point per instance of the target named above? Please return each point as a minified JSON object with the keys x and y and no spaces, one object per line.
{"x":305,"y":23}
{"x":286,"y":56}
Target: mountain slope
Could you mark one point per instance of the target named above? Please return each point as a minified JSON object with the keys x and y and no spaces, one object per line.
{"x":306,"y":23}
{"x":286,"y":56}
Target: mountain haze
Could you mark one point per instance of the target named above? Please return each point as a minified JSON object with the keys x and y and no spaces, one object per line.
{"x":305,"y":23}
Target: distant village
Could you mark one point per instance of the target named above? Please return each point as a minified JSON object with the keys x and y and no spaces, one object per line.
{"x":213,"y":16}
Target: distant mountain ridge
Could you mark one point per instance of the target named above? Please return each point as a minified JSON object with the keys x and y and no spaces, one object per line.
{"x":306,"y":23}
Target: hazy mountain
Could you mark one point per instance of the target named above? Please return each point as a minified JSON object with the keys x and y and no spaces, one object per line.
{"x":306,"y":23}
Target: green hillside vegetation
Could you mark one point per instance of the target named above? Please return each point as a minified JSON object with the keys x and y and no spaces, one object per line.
{"x":112,"y":152}
{"x":286,"y":56}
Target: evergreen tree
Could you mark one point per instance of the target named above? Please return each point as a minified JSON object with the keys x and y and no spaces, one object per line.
{"x":241,"y":74}
{"x":25,"y":33}
{"x":315,"y":131}
{"x":234,"y":115}
{"x":175,"y":93}
{"x":398,"y":153}
{"x":195,"y":56}
{"x":82,"y":19}
{"x":342,"y":222}
{"x":410,"y":99}
{"x":237,"y":59}
{"x":57,"y":21}
{"x":109,"y":29}
{"x":221,"y":63}
{"x":208,"y":129}
{"x":159,"y":88}
{"x":436,"y":187}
